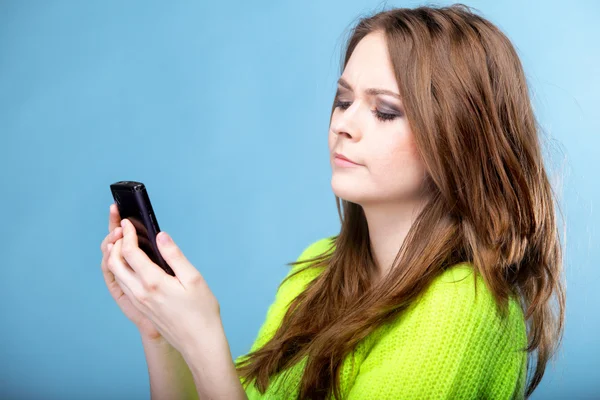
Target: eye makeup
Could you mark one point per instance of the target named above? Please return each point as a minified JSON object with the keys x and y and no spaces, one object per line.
{"x":387,"y":114}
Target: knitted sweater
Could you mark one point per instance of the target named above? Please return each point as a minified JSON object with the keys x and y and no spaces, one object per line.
{"x":451,"y":344}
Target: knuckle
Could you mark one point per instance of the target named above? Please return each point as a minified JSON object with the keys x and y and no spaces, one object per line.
{"x":110,"y":262}
{"x":197,"y":280}
{"x":152,"y":286}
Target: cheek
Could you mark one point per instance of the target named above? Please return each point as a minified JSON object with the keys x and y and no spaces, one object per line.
{"x":398,"y":168}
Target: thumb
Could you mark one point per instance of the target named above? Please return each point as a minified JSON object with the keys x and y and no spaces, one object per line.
{"x":173,"y":255}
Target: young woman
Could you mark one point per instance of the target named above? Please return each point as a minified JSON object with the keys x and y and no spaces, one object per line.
{"x":439,"y":283}
{"x":448,"y":247}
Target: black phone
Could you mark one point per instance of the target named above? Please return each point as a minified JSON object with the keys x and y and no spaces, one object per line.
{"x":134,"y":204}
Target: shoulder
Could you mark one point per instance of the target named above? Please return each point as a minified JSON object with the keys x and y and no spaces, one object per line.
{"x":299,"y":275}
{"x":451,"y":341}
{"x":316,"y":248}
{"x":462,"y":287}
{"x":459,"y":299}
{"x":457,"y":317}
{"x":289,"y":288}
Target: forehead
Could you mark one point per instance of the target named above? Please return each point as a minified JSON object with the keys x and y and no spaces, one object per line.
{"x":370,"y":65}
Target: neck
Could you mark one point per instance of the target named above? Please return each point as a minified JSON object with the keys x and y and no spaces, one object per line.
{"x":388,"y":226}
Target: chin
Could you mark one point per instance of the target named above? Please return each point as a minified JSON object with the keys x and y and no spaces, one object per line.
{"x":348,"y":189}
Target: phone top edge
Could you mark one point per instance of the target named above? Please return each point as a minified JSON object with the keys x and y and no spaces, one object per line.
{"x":131,"y":186}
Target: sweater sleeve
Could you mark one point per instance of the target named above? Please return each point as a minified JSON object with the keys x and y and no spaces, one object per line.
{"x":451,"y":344}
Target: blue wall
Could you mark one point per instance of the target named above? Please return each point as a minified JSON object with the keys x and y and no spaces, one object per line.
{"x":222,"y":110}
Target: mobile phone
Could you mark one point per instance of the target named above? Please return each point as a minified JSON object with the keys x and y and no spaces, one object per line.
{"x":133,"y":203}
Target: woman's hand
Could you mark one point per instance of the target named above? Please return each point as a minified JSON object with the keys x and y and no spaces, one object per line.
{"x":182,"y":307}
{"x":144,"y":324}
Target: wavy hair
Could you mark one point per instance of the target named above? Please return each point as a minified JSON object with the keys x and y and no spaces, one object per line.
{"x":466,"y":98}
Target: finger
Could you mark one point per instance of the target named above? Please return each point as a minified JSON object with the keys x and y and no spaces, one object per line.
{"x":114,"y":285}
{"x":139,"y":261}
{"x":130,"y":296}
{"x":109,"y":277}
{"x":111,"y":238}
{"x":105,"y":255}
{"x":114,"y":219}
{"x":123,"y":289}
{"x":172,"y":254}
{"x":140,"y":228}
{"x":122,"y":270}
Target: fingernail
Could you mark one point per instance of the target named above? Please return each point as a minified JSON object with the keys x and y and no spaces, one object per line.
{"x":109,"y":246}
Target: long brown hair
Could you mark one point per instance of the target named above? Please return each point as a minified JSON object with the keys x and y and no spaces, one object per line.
{"x":466,"y":98}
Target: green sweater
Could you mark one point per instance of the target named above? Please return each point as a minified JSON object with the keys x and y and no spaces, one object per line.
{"x":449,"y":345}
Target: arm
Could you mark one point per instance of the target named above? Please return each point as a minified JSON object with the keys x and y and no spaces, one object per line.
{"x":221,"y":379}
{"x":170,"y":377}
{"x":212,"y":368}
{"x":452,"y":345}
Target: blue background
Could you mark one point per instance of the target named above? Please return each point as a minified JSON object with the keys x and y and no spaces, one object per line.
{"x":222,"y":110}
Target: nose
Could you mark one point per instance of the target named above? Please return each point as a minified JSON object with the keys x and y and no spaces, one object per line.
{"x":345,"y":122}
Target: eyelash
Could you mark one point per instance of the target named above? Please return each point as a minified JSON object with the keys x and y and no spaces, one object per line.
{"x":378,"y":114}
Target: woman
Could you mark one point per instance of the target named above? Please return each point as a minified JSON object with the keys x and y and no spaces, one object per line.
{"x":439,"y":283}
{"x":433,"y":111}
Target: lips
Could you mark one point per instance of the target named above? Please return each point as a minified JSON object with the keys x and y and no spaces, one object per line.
{"x":341,"y":156}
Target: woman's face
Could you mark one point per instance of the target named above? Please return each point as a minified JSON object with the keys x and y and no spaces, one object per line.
{"x":372,"y":130}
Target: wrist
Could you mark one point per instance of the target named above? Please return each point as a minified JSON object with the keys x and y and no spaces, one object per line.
{"x":212,"y":367}
{"x":155,"y":342}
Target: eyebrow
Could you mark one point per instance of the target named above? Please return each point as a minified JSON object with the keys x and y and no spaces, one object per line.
{"x":370,"y":91}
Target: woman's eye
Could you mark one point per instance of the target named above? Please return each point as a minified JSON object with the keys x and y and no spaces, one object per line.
{"x":382,"y":116}
{"x":342,"y":104}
